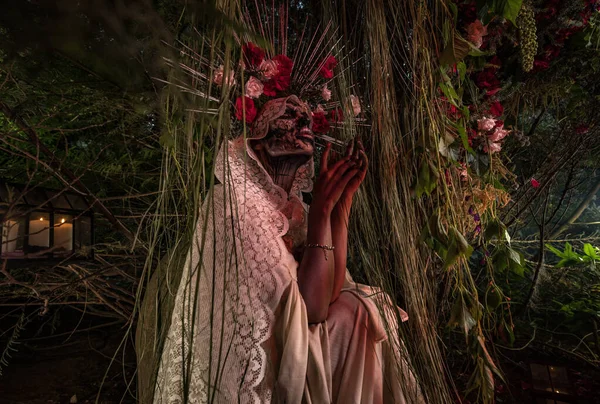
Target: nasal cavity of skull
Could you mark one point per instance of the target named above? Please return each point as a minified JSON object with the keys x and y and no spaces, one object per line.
{"x":301,"y":117}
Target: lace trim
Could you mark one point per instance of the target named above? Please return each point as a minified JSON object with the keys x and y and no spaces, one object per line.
{"x":256,"y":282}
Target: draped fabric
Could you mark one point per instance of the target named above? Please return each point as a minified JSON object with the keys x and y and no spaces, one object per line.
{"x":239,"y":330}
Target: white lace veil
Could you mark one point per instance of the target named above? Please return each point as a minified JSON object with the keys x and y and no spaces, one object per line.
{"x":232,"y":282}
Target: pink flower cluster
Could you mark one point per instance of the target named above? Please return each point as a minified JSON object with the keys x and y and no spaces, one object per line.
{"x":492,"y":132}
{"x":475,"y":33}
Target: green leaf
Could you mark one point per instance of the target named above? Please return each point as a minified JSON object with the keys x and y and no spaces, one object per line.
{"x":465,"y":139}
{"x":556,"y":251}
{"x":511,"y":10}
{"x":453,"y":252}
{"x":590,"y":251}
{"x":514,"y":256}
{"x":511,"y":334}
{"x":463,"y":246}
{"x":449,"y":92}
{"x":507,"y":236}
{"x":462,"y":70}
{"x":494,"y":229}
{"x":517,"y":269}
{"x":423,"y":179}
{"x":500,"y":260}
{"x":447,"y":57}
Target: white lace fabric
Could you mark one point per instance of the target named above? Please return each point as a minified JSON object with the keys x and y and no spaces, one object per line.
{"x":237,"y":286}
{"x":239,"y":276}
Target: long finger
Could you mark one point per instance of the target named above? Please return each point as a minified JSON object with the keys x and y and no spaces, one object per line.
{"x":325,"y":159}
{"x":342,"y":169}
{"x":364,"y":160}
{"x":336,"y":166}
{"x":357,"y":148}
{"x":350,"y":149}
{"x":340,"y":185}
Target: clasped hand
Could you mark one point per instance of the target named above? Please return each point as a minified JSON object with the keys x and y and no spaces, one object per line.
{"x":339,"y":180}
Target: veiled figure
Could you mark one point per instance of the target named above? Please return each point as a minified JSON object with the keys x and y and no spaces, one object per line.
{"x":243,"y":326}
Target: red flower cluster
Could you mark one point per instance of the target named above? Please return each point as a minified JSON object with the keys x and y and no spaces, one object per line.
{"x":246,"y":106}
{"x":496,"y":109}
{"x":281,"y":81}
{"x":488,"y":81}
{"x":253,"y":55}
{"x":337,"y":115}
{"x":320,"y":123}
{"x":328,"y":66}
{"x":535,"y":183}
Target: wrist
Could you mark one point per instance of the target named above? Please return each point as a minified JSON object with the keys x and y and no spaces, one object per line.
{"x":319,"y":229}
{"x":342,"y":208}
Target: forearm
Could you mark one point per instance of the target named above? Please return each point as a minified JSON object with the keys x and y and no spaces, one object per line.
{"x":339,"y":234}
{"x":315,"y":273}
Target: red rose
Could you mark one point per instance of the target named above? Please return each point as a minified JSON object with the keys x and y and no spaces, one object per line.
{"x":496,"y":109}
{"x":245,"y":105}
{"x":281,"y":81}
{"x":453,"y":112}
{"x":499,"y":124}
{"x":269,"y":89}
{"x":284,"y":65}
{"x":253,"y":55}
{"x":277,"y":83}
{"x":487,"y":79}
{"x":535,"y":183}
{"x":539,"y":65}
{"x":337,"y":115}
{"x":320,"y":123}
{"x":328,"y":66}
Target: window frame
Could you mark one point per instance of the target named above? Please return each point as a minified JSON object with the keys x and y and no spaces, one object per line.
{"x":52,"y":214}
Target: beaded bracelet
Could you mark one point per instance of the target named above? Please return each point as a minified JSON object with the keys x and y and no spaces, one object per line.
{"x":325,"y":248}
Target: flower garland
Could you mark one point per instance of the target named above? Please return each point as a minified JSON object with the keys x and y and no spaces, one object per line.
{"x":268,"y":78}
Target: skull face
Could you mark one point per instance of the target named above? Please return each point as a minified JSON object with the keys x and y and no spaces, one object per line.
{"x":290,"y":134}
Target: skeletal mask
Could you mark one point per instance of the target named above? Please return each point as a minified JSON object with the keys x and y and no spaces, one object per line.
{"x":284,"y":127}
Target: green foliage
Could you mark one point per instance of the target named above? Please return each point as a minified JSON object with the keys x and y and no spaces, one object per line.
{"x":427,"y":178}
{"x":508,"y":9}
{"x":569,"y":257}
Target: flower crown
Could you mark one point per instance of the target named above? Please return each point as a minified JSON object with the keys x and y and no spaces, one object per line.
{"x":275,"y":78}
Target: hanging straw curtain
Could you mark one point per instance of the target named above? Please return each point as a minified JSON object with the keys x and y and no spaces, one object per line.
{"x":395,"y":73}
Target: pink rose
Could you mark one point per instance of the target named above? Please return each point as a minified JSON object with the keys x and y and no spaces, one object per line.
{"x":219,"y":79}
{"x":486,"y":123}
{"x":498,"y":135}
{"x":319,"y":109}
{"x":269,"y":68}
{"x":475,"y":33}
{"x":254,"y":87}
{"x":492,"y":147}
{"x":326,"y":93}
{"x":355,"y":104}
